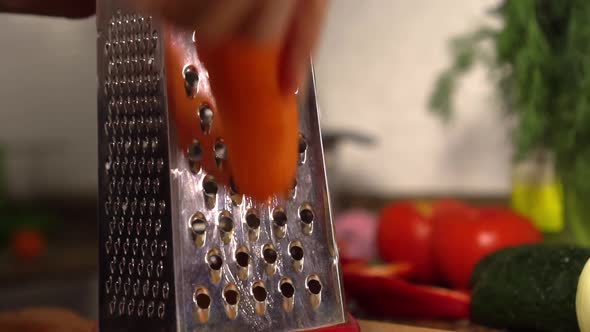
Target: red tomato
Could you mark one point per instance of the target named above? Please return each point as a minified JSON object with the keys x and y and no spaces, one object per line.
{"x":28,"y":244}
{"x":461,"y":238}
{"x":404,"y":235}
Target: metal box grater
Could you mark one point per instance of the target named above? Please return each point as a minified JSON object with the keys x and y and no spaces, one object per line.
{"x":178,"y":251}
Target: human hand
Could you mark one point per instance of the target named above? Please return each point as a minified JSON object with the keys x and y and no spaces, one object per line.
{"x":294,"y":24}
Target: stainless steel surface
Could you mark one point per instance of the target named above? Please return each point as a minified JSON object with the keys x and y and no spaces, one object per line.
{"x":180,"y":252}
{"x":136,"y":264}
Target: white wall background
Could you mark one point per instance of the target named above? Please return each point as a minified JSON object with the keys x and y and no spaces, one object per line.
{"x":376,"y":66}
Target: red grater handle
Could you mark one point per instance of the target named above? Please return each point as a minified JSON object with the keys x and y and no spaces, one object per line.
{"x":351,"y":325}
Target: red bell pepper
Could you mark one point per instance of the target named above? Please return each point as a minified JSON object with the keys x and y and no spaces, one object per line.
{"x":393,"y":296}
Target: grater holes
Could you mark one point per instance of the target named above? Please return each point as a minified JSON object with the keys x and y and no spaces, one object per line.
{"x":198,"y":226}
{"x":147,"y":228}
{"x":151,"y":307}
{"x":136,"y":286}
{"x":163,"y":248}
{"x":260,"y":294}
{"x":126,"y":245}
{"x":108,"y":244}
{"x":146,"y":186}
{"x":149,"y":268}
{"x":140,"y":267}
{"x":121,"y":225}
{"x":112,"y":227}
{"x":112,"y":264}
{"x":236,"y":197}
{"x":191,"y":81}
{"x":306,"y":216}
{"x":302,"y":148}
{"x":117,"y":246}
{"x":131,"y":266}
{"x":112,"y":305}
{"x":108,"y":285}
{"x":160,"y":269}
{"x":138,"y":228}
{"x":297,"y":254}
{"x":165,"y":290}
{"x":220,"y":151}
{"x":140,"y":308}
{"x":135,"y":246}
{"x":259,"y":291}
{"x":155,"y":289}
{"x":154,"y":247}
{"x":159,"y":165}
{"x":206,"y":118}
{"x":122,"y":307}
{"x":226,"y":226}
{"x":158,"y":227}
{"x":117,"y":206}
{"x":143,"y":206}
{"x":129,"y":186}
{"x":156,"y":186}
{"x":118,"y":283}
{"x":270,"y":256}
{"x":155,"y":144}
{"x":293,"y":191}
{"x":286,"y":288}
{"x":146,"y":288}
{"x":231,"y":297}
{"x":242,"y":260}
{"x":269,"y":253}
{"x":313,"y":285}
{"x":242,"y":257}
{"x":162,"y":207}
{"x":122,"y":265}
{"x":127,"y":286}
{"x":161,"y":310}
{"x":202,"y":300}
{"x":210,"y":189}
{"x":195,"y":153}
{"x":288,"y":291}
{"x":279,"y":218}
{"x":130,"y":307}
{"x":253,"y":219}
{"x":296,"y":251}
{"x":215,"y":263}
{"x":150,"y":169}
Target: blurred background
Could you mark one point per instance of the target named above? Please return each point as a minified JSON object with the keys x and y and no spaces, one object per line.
{"x":377,"y":66}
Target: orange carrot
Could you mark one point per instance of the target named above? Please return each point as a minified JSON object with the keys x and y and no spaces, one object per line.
{"x":185,"y":109}
{"x":259,"y":123}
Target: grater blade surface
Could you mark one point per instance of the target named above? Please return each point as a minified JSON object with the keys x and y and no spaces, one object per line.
{"x":181,"y":250}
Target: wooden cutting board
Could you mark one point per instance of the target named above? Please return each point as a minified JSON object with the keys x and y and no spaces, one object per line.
{"x":370,"y":326}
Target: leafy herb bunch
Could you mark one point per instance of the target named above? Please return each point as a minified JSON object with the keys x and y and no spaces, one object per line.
{"x":540,"y":60}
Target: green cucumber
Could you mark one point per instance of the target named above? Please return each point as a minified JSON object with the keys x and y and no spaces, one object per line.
{"x":530,"y":287}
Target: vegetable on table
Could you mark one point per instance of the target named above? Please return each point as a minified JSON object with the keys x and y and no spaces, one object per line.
{"x":392,"y":296}
{"x":583,"y":299}
{"x":444,"y":240}
{"x":463,"y":237}
{"x":28,"y":244}
{"x":531,"y":287}
{"x":405,"y":234}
